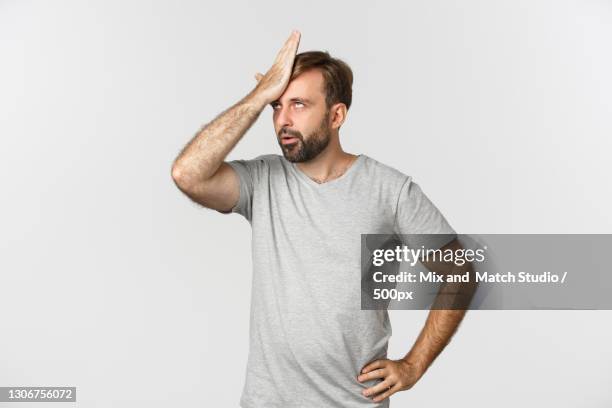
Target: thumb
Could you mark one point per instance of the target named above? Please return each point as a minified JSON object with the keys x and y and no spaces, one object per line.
{"x":258,"y":77}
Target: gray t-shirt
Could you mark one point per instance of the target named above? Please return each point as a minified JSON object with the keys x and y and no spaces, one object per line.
{"x":309,"y":338}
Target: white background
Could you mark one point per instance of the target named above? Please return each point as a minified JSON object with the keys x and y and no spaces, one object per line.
{"x":114,"y":282}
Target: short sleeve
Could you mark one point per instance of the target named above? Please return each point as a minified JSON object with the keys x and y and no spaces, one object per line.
{"x":416,"y":214}
{"x":248,"y":172}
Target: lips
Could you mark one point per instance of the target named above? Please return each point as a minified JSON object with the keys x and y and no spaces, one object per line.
{"x":288,"y":139}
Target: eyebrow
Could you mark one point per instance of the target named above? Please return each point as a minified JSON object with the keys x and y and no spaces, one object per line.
{"x":308,"y":101}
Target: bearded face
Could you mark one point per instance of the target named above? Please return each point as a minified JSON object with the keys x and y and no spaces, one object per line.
{"x":298,"y":148}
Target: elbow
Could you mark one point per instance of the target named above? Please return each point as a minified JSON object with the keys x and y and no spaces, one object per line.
{"x":180,"y":176}
{"x":176,"y":172}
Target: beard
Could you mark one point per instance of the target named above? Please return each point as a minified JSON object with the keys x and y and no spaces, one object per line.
{"x":305,"y":149}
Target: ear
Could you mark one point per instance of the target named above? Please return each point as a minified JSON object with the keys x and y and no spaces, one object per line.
{"x":337,"y":114}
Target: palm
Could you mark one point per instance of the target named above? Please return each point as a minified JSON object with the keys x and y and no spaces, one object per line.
{"x":272,"y":85}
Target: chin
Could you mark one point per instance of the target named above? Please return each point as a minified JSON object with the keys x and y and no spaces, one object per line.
{"x":292,"y":154}
{"x":291,"y":158}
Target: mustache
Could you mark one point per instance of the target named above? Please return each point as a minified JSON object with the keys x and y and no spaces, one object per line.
{"x":285,"y":132}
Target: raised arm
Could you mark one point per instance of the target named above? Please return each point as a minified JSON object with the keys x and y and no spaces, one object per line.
{"x":199,"y":171}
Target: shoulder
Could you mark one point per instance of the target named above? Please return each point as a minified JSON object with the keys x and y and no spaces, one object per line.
{"x":271,"y":162}
{"x":268,"y":157}
{"x":385,"y":173}
{"x":259,"y":167}
{"x":259,"y":162}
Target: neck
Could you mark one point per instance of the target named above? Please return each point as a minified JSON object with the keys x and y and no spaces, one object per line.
{"x":331,"y":163}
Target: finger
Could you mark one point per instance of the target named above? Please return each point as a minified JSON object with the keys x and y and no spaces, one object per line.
{"x":380,"y":373}
{"x":373,"y":365}
{"x":296,"y":39}
{"x":390,"y":391}
{"x":294,"y":43}
{"x":258,"y":76}
{"x":290,"y":45}
{"x":287,"y":45}
{"x":378,"y":388}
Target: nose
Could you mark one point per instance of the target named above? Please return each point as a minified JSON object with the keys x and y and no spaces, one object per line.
{"x":283,"y":118}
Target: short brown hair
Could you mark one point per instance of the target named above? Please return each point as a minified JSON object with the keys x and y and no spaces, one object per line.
{"x":337,"y":75}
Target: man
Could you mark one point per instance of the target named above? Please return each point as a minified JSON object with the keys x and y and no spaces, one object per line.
{"x":311,"y":345}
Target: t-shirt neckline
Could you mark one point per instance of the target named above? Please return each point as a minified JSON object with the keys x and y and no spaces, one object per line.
{"x":347,"y":174}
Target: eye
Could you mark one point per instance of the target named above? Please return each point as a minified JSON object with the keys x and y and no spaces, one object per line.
{"x":276,"y":105}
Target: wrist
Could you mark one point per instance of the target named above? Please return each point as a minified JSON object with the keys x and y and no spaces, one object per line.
{"x":415,"y":365}
{"x":256,"y":100}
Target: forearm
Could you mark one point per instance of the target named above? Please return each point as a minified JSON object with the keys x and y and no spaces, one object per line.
{"x":202,"y":156}
{"x":439,"y":328}
{"x":447,"y":311}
